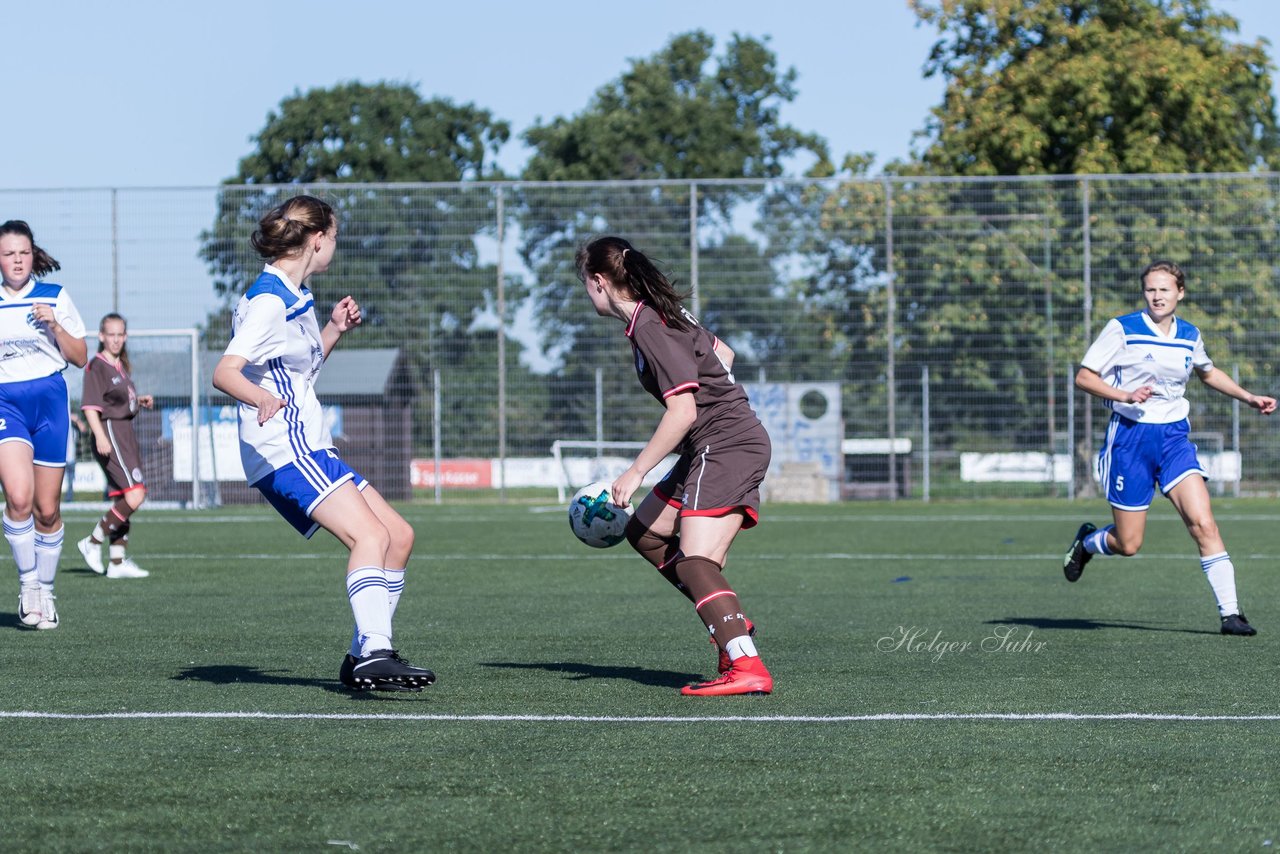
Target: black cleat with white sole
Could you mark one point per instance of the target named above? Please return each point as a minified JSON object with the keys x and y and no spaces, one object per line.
{"x":383,"y":670}
{"x":1076,"y":557}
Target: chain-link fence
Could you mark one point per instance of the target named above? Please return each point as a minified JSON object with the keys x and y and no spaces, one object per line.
{"x":950,"y":312}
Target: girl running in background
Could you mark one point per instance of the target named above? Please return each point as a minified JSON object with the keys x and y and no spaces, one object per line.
{"x":1140,"y":365}
{"x":685,"y":526}
{"x":276,"y":351}
{"x":110,"y":401}
{"x":40,"y":333}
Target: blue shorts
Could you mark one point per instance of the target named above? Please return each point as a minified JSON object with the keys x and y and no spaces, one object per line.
{"x":36,"y":412}
{"x":298,"y":488}
{"x":1135,"y":457}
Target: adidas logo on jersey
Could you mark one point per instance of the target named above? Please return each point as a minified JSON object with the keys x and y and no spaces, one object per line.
{"x":1149,"y":358}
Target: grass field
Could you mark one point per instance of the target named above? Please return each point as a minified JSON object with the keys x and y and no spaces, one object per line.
{"x":198,"y":709}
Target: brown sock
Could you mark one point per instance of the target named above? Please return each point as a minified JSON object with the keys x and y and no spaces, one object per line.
{"x":716,"y":603}
{"x":116,"y":519}
{"x":662,"y":552}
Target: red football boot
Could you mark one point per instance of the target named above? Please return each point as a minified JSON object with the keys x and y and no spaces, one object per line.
{"x":725,"y":663}
{"x":748,"y":675}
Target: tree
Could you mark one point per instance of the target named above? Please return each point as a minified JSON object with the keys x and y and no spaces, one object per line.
{"x":671,"y":116}
{"x":410,"y":257}
{"x":681,"y":115}
{"x":987,"y":268}
{"x":372,"y":133}
{"x":1037,"y":87}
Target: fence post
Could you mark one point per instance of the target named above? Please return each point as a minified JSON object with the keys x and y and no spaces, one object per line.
{"x":1235,"y":431}
{"x":1087,"y":308}
{"x":693,"y":249}
{"x":1071,"y":435}
{"x":890,"y":366}
{"x":924,"y":430}
{"x":435,"y":427}
{"x":502,"y":355}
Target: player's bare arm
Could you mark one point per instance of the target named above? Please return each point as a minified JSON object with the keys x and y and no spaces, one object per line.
{"x":1093,"y":383}
{"x":681,"y":412}
{"x":1220,"y":382}
{"x":229,"y":379}
{"x":345,"y":317}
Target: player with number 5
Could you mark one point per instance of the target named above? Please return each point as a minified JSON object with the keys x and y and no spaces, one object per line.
{"x":1140,"y":365}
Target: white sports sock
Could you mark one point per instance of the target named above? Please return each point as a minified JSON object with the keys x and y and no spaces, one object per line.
{"x":1096,"y":543}
{"x":48,"y":548}
{"x":395,"y":585}
{"x":1221,"y":573}
{"x":22,"y":541}
{"x":367,"y":592}
{"x":740,"y":646}
{"x":115,"y":552}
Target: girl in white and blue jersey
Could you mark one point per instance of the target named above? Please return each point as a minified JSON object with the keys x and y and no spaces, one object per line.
{"x":276,"y":351}
{"x":1140,"y":365}
{"x":40,"y":333}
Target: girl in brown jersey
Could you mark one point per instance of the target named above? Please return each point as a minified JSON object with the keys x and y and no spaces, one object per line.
{"x":110,"y":402}
{"x":685,"y":526}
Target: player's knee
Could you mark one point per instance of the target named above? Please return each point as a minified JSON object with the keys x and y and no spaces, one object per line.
{"x":401,"y":536}
{"x":135,"y":497}
{"x":1203,"y":530}
{"x":375,"y":537}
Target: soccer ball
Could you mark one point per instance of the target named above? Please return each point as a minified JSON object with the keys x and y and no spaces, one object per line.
{"x":595,"y":519}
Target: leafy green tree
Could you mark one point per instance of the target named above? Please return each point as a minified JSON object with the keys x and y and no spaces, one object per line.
{"x":1039,"y":87}
{"x":986,"y":269}
{"x":681,"y":115}
{"x":409,"y":256}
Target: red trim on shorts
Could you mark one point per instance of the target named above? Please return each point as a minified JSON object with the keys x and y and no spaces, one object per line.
{"x":752,"y":517}
{"x":117,"y":493}
{"x":671,"y":502}
{"x":92,"y":408}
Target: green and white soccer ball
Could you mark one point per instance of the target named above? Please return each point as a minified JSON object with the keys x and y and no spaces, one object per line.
{"x":595,"y":519}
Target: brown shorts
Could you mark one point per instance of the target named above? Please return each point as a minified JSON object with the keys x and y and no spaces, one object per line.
{"x":123,"y":465}
{"x":717,"y":478}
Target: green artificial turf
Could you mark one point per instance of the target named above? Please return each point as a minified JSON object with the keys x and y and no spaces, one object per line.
{"x":939,"y":686}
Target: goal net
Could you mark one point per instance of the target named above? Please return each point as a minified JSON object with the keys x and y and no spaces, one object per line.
{"x":579,"y":462}
{"x":175,"y":436}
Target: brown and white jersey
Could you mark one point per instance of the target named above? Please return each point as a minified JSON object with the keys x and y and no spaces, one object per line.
{"x":673,"y":361}
{"x":108,"y":390}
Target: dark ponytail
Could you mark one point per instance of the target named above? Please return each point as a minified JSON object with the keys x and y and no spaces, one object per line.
{"x":630,"y":269}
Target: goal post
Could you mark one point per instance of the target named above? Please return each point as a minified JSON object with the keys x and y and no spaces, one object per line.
{"x":166,"y":364}
{"x":577,"y":462}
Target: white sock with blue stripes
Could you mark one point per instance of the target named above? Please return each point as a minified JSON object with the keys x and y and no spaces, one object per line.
{"x":1096,"y":543}
{"x":367,"y":591}
{"x":395,"y":586}
{"x":48,"y":549}
{"x":22,"y":541}
{"x":1221,"y":573}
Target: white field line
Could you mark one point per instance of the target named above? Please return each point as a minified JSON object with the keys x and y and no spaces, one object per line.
{"x":161,"y":516}
{"x":623,"y":554}
{"x":881,"y":717}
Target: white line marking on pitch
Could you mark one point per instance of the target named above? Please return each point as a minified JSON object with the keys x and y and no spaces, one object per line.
{"x":673,"y":719}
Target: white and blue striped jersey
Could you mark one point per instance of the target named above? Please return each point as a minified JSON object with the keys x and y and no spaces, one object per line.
{"x":29,"y":350}
{"x":1131,"y":352}
{"x":275,"y":329}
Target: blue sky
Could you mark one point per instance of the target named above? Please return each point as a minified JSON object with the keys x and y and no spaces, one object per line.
{"x":163,"y":94}
{"x":143,"y":93}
